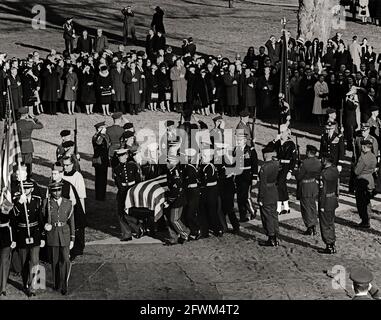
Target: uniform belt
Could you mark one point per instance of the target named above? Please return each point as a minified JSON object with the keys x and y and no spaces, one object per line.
{"x":23,"y":225}
{"x":245,"y":168}
{"x":308,"y":180}
{"x":270,"y":184}
{"x":3,"y":225}
{"x":131,"y":183}
{"x":211,"y":184}
{"x":192,"y":186}
{"x":59,"y":224}
{"x":285,"y":161}
{"x":330,"y":195}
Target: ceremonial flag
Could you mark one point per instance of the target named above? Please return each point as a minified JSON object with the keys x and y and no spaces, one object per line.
{"x":149,"y":194}
{"x":10,"y":156}
{"x":284,"y":85}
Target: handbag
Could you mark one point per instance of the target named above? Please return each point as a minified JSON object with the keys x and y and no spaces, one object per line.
{"x":106,"y":93}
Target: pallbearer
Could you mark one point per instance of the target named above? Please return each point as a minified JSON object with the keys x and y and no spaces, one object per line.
{"x":307,"y":176}
{"x":60,"y":235}
{"x":268,"y":196}
{"x":328,"y":204}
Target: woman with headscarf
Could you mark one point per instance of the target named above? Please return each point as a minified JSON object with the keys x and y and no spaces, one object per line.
{"x":71,"y":88}
{"x":87,"y":84}
{"x":321,"y":97}
{"x":152,"y":88}
{"x":104,"y":89}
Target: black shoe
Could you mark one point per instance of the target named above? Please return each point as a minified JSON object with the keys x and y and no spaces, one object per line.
{"x":182,"y":240}
{"x":3,"y":293}
{"x":169,"y":242}
{"x":126,"y":239}
{"x":330,"y":249}
{"x":64,"y":292}
{"x":284,"y":212}
{"x":363,"y":225}
{"x":236,"y":231}
{"x":308,"y":232}
{"x":219,"y":233}
{"x":314,"y":233}
{"x":195,"y":236}
{"x":253,"y":215}
{"x":245,"y":219}
{"x":270,"y":242}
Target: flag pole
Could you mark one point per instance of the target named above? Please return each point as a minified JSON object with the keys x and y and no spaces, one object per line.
{"x":12,"y":114}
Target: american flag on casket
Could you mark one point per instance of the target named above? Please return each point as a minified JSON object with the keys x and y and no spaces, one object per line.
{"x":149,"y":194}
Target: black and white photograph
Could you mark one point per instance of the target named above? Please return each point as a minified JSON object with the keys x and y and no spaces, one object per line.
{"x":203,"y":152}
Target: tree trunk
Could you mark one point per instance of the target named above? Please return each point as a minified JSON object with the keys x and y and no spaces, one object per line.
{"x":315,"y":19}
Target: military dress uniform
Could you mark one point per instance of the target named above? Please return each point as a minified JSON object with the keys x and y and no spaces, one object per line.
{"x":329,"y":202}
{"x":209,"y":216}
{"x":268,"y":198}
{"x":307,"y":176}
{"x":286,"y":155}
{"x":6,"y":239}
{"x":28,"y":245}
{"x":364,"y":185}
{"x":25,"y":128}
{"x":175,"y":198}
{"x":60,"y":221}
{"x":101,"y":144}
{"x":247,"y":172}
{"x":332,"y":147}
{"x":114,"y":133}
{"x":191,"y":180}
{"x":245,"y":128}
{"x":126,"y":175}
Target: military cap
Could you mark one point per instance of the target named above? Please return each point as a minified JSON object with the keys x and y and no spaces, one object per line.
{"x":190,"y":152}
{"x":312,"y":149}
{"x":68,"y":144}
{"x":368,"y":143}
{"x":65,"y":133}
{"x":27,"y":184}
{"x":55,"y":186}
{"x":58,"y":167}
{"x":244,"y":113}
{"x":69,"y":18}
{"x":128,"y":126}
{"x":203,"y":71}
{"x":203,"y":125}
{"x":361,"y":275}
{"x":374,"y":108}
{"x":133,"y":51}
{"x":140,"y":53}
{"x":121,"y":152}
{"x":365,"y":126}
{"x":217,"y":118}
{"x":169,"y":123}
{"x":116,"y":115}
{"x":23,"y":110}
{"x":330,"y":124}
{"x":100,"y":124}
{"x":127,"y":134}
{"x":330,"y":111}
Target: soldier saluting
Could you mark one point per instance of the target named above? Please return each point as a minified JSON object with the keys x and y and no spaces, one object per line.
{"x":60,"y":235}
{"x":332,"y":145}
{"x":306,"y":176}
{"x":268,"y":196}
{"x":329,"y":202}
{"x":27,"y":221}
{"x":25,"y":127}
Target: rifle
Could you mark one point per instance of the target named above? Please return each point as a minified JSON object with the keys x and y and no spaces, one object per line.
{"x":298,"y":163}
{"x":75,"y":138}
{"x":320,"y":187}
{"x":253,"y":126}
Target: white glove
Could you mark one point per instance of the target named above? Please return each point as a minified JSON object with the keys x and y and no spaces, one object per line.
{"x":288,"y":175}
{"x":42,"y":244}
{"x":73,"y":88}
{"x":260,"y":204}
{"x":166,"y":205}
{"x":22,"y":199}
{"x":339,"y":168}
{"x":71,"y":245}
{"x":234,"y":82}
{"x":48,"y":227}
{"x":140,"y":91}
{"x":13,"y":245}
{"x":113,"y":91}
{"x":134,"y":80}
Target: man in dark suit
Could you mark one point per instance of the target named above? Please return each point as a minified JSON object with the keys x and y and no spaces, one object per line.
{"x":84,"y":43}
{"x":69,"y":35}
{"x":25,"y":127}
{"x":101,"y":41}
{"x":273,"y":50}
{"x":60,"y":235}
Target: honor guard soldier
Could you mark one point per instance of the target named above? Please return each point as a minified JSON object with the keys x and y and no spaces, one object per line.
{"x":101,"y":143}
{"x":286,"y":154}
{"x":151,"y":168}
{"x":209,"y":215}
{"x":246,"y":172}
{"x":307,"y":176}
{"x":60,"y":235}
{"x":114,"y":133}
{"x":191,"y":180}
{"x":363,"y":284}
{"x":332,"y":115}
{"x":375,"y":123}
{"x":60,"y":152}
{"x":25,"y":127}
{"x":28,"y":224}
{"x":328,"y":203}
{"x":217,"y":133}
{"x":169,"y":137}
{"x":364,"y":183}
{"x":174,"y":202}
{"x":6,"y":245}
{"x":244,"y":125}
{"x":126,"y":175}
{"x":68,"y":147}
{"x":268,"y":196}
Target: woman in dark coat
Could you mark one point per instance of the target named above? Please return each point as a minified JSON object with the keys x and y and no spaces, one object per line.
{"x":150,"y":39}
{"x":16,"y":90}
{"x":191,"y":78}
{"x":71,"y":89}
{"x":250,"y":57}
{"x":212,"y":88}
{"x":248,"y":87}
{"x":157,"y":23}
{"x":87,"y":89}
{"x":152,"y":92}
{"x":165,"y":89}
{"x":133,"y":81}
{"x":29,"y":86}
{"x":51,"y":85}
{"x":266,"y":93}
{"x":104,"y":89}
{"x":204,"y":93}
{"x":231,"y":82}
{"x":119,"y":97}
{"x":333,"y":97}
